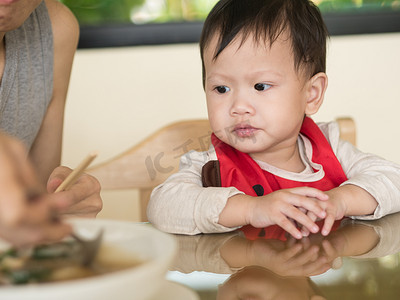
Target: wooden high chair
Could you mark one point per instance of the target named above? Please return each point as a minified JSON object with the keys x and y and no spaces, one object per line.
{"x":151,"y":162}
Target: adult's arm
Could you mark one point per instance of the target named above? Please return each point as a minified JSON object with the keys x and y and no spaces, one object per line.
{"x":83,"y":199}
{"x":45,"y":153}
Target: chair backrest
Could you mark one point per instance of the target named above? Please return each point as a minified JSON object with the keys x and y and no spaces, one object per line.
{"x":151,"y":162}
{"x":347,"y":128}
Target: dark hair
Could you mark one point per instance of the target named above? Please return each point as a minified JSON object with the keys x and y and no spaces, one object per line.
{"x":266,"y":20}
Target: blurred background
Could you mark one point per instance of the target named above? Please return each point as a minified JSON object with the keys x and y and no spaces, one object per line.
{"x":138,"y":68}
{"x":101,"y":12}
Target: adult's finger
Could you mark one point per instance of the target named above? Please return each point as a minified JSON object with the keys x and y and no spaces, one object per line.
{"x":18,"y":184}
{"x":82,"y":199}
{"x":14,"y":162}
{"x":23,"y":236}
{"x":58,"y":175}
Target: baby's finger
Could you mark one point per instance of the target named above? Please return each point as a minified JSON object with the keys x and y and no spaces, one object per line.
{"x":306,"y":243}
{"x":309,"y":205}
{"x":310,"y":192}
{"x":302,"y":219}
{"x":307,"y":256}
{"x":289,"y":227}
{"x":313,"y":217}
{"x":319,"y":266}
{"x":290,"y":242}
{"x":329,"y":220}
{"x":336,"y":261}
{"x":328,"y":248}
{"x":303,"y":210}
{"x":292,"y":251}
{"x":305,"y":232}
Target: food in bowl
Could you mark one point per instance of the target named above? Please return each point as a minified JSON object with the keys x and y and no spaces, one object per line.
{"x":154,"y":250}
{"x":60,"y":261}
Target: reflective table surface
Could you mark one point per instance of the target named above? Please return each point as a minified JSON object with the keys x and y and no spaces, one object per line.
{"x":358,"y":260}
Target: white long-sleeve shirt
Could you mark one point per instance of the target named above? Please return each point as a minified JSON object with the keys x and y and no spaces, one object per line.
{"x":182,"y":205}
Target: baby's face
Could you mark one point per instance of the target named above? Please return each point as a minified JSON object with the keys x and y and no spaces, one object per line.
{"x":256,"y":282}
{"x":256,"y":99}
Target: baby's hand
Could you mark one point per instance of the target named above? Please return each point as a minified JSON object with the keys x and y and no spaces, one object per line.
{"x":288,"y":259}
{"x":335,"y":209}
{"x":283,"y":206}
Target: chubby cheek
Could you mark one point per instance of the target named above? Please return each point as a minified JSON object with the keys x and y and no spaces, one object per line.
{"x":285,"y":128}
{"x":216,"y":115}
{"x":212,"y":112}
{"x":215,"y":123}
{"x":217,"y":126}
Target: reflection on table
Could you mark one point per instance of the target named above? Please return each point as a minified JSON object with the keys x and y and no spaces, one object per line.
{"x":358,"y":260}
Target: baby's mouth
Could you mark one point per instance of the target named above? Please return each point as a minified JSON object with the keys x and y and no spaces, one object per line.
{"x":244,"y":130}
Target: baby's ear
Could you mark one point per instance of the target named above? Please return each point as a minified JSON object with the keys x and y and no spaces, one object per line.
{"x":316,"y":88}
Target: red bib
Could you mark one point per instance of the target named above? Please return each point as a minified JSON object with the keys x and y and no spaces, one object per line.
{"x":239,"y":170}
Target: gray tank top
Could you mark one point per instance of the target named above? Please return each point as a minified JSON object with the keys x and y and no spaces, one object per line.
{"x":27,"y":84}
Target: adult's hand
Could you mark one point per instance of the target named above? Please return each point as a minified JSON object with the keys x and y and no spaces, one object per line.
{"x":25,"y":210}
{"x":81,"y":200}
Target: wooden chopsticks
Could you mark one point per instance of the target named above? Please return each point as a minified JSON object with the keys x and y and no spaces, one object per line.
{"x":74,"y":175}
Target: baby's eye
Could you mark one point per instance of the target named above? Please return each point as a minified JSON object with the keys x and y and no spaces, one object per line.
{"x":262,"y":86}
{"x":222,"y":89}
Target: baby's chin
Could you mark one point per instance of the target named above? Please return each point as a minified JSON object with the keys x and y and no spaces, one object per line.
{"x":245,"y":145}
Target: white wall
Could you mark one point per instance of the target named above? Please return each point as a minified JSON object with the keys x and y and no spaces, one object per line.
{"x":118,"y":96}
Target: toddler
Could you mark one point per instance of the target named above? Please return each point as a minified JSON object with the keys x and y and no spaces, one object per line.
{"x":269,"y":163}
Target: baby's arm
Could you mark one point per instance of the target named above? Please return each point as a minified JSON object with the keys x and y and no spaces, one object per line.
{"x":280,"y":207}
{"x":182,"y":205}
{"x":373,"y":186}
{"x":345,"y":201}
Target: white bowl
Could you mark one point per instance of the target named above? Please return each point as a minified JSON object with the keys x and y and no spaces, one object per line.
{"x":156,"y":248}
